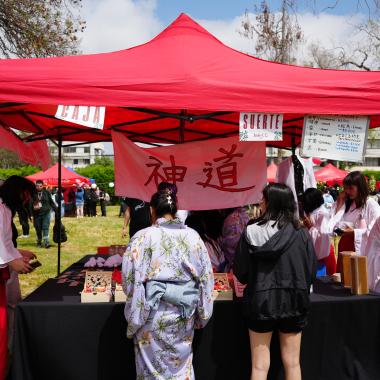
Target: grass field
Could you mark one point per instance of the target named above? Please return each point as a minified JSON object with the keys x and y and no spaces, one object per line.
{"x":84,"y":235}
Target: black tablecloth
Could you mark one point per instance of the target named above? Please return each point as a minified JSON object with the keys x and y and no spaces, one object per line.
{"x":58,"y":338}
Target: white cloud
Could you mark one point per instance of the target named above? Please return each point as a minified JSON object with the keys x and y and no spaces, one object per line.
{"x":228,"y":32}
{"x":327,"y":30}
{"x":118,"y":24}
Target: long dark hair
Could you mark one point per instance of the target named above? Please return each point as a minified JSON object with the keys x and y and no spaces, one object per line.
{"x":312,"y":199}
{"x":357,"y":179}
{"x":13,"y":189}
{"x":164,"y":202}
{"x":280,"y":206}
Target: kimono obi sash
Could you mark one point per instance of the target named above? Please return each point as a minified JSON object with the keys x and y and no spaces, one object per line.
{"x":185,"y":295}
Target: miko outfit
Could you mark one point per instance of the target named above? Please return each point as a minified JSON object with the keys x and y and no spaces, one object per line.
{"x":360,"y":219}
{"x":278,"y":266}
{"x":373,"y":257}
{"x":8,"y":253}
{"x":320,"y":233}
{"x":168,"y":280}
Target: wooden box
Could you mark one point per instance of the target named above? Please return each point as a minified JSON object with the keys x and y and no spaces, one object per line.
{"x":222,"y":287}
{"x":97,"y":287}
{"x":359,"y":275}
{"x":346,"y":268}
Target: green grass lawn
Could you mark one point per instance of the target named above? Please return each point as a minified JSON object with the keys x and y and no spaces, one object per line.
{"x":84,"y":235}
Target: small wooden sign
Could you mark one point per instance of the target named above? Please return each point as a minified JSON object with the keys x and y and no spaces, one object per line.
{"x":359,"y":275}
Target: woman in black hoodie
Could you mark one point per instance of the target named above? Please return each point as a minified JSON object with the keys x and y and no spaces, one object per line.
{"x":276,"y":259}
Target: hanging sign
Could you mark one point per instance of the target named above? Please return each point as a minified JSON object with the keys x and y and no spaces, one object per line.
{"x":88,"y":116}
{"x":260,"y":126}
{"x":341,"y":138}
{"x":213,"y":174}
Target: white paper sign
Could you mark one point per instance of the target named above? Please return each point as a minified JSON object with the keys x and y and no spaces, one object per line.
{"x":260,"y":127}
{"x":341,"y":138}
{"x":88,"y":116}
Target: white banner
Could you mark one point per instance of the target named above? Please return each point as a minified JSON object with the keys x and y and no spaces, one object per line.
{"x":88,"y":116}
{"x":341,"y":138}
{"x":213,"y":174}
{"x":260,"y":127}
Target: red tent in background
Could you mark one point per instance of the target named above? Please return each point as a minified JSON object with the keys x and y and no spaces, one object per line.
{"x":272,"y":172}
{"x":50,"y":177}
{"x":330,"y":175}
{"x":183,"y":85}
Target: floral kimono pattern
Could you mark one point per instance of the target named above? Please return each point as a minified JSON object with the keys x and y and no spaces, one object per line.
{"x":168,"y":252}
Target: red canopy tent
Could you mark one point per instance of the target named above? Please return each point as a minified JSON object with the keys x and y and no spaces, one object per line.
{"x":50,"y":177}
{"x":331,"y":175}
{"x":184,"y":85}
{"x":272,"y":172}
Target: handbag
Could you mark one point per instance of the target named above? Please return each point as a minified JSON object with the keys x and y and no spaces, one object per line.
{"x":56,"y":232}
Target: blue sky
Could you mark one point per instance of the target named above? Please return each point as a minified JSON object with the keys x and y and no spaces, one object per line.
{"x":167,"y":10}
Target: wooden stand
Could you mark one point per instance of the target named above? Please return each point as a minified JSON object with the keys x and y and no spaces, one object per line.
{"x":359,"y":275}
{"x":346,"y":268}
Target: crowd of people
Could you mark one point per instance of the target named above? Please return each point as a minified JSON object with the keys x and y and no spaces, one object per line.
{"x":275,"y":249}
{"x":276,"y":252}
{"x":78,"y":200}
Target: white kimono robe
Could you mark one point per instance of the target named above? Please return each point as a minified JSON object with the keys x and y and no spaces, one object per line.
{"x":361,"y":219}
{"x":321,"y":231}
{"x":8,"y":252}
{"x":373,"y":257}
{"x":285,"y":174}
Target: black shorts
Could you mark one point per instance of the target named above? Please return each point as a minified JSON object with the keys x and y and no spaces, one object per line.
{"x":285,"y":325}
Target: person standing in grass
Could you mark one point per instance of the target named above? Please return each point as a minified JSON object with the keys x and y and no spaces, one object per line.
{"x":42,"y":206}
{"x":79,"y":201}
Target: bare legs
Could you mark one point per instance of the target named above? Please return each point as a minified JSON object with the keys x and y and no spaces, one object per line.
{"x":79,"y":211}
{"x":290,"y":345}
{"x":260,"y":354}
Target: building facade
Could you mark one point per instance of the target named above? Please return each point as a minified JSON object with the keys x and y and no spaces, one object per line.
{"x":78,"y":156}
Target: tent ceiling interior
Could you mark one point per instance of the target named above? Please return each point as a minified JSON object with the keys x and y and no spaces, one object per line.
{"x":182,"y":86}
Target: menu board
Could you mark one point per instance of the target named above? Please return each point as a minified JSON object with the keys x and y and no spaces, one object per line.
{"x":341,"y":138}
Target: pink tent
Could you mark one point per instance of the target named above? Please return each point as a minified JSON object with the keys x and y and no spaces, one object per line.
{"x":50,"y":177}
{"x":330,"y":175}
{"x":272,"y":172}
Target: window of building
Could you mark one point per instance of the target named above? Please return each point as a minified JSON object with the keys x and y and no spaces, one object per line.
{"x":70,"y":149}
{"x":373,"y":144}
{"x":86,"y":161}
{"x":98,"y":152}
{"x":372,"y":161}
{"x":86,"y":149}
{"x":75,"y":161}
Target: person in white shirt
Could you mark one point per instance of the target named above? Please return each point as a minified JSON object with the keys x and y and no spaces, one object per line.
{"x":354,"y":214}
{"x":317,"y":220}
{"x":14,"y":193}
{"x":373,"y":257}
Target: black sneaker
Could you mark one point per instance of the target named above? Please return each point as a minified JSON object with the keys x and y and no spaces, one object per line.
{"x":39,"y":245}
{"x":47,"y":245}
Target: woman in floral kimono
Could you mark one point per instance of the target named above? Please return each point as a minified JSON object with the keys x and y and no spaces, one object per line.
{"x":168,"y":280}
